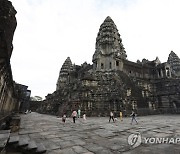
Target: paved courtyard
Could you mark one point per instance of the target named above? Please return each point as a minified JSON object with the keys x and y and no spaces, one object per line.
{"x":97,"y":136}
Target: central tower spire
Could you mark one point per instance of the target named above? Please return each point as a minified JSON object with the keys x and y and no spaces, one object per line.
{"x":109,"y":50}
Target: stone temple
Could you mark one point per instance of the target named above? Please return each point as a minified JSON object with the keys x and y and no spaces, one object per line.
{"x":114,"y":83}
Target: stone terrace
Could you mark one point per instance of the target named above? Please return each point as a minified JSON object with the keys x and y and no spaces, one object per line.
{"x":97,"y":135}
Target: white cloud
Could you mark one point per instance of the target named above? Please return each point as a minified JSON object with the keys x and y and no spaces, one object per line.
{"x":49,"y":31}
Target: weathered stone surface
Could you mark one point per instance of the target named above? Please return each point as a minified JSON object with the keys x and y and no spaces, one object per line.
{"x":13,"y":139}
{"x":4,"y":136}
{"x":79,"y":149}
{"x":94,"y":143}
{"x":7,"y":27}
{"x":8,"y":101}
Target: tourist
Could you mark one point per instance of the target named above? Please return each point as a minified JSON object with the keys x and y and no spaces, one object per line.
{"x":84,"y":116}
{"x":26,"y":112}
{"x":121,"y":116}
{"x":133,"y":115}
{"x":74,"y":115}
{"x":79,"y":113}
{"x":64,"y":118}
{"x":111,"y":116}
{"x":115,"y":117}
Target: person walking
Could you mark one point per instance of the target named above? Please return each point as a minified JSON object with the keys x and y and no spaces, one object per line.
{"x":74,"y":115}
{"x":133,"y":115}
{"x":84,"y":116}
{"x":79,"y":113}
{"x":121,"y":115}
{"x":111,"y":116}
{"x":64,"y":118}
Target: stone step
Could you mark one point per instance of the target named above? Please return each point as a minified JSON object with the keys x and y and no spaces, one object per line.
{"x":4,"y":136}
{"x":25,"y":145}
{"x":40,"y":148}
{"x":23,"y":141}
{"x":13,"y":140}
{"x":32,"y":146}
{"x":4,"y":131}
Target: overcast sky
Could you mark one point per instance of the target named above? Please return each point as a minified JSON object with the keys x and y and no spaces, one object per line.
{"x":48,"y":31}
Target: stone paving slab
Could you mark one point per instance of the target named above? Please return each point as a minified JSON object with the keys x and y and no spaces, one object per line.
{"x":96,"y":135}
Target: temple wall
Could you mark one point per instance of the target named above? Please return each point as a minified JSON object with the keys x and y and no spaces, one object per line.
{"x":8,"y":100}
{"x":137,"y":70}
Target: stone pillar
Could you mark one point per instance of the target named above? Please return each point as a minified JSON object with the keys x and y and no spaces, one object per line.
{"x":162,"y":73}
{"x":157,"y":72}
{"x":168,"y":72}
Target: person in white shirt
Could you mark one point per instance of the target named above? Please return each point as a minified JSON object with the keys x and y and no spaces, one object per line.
{"x":84,"y":116}
{"x":111,"y":116}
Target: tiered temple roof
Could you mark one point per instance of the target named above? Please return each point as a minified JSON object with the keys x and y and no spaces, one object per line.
{"x":66,"y":69}
{"x":174,"y":61}
{"x":108,"y":38}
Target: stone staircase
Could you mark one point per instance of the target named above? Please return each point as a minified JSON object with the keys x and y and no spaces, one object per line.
{"x":4,"y":136}
{"x":11,"y":142}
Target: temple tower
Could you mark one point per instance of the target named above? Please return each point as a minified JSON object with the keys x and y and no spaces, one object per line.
{"x":109,"y":51}
{"x":64,"y":73}
{"x":174,"y":61}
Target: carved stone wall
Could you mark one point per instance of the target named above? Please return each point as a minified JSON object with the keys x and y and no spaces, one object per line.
{"x":7,"y":28}
{"x":9,"y":101}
